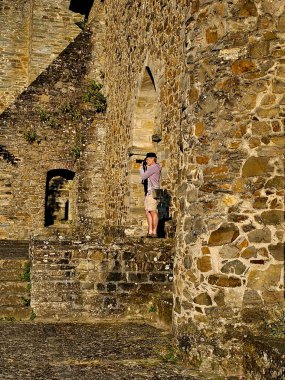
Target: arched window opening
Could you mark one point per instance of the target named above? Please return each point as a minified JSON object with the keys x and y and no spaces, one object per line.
{"x":145,"y":127}
{"x":59,"y":197}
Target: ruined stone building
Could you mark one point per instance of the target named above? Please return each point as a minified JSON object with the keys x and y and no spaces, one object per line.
{"x":199,"y":82}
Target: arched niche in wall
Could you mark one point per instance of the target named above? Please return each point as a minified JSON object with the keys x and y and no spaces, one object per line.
{"x":59,"y":201}
{"x":145,"y":136}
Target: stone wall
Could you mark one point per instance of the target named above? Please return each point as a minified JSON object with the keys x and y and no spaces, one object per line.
{"x":85,"y":280}
{"x":53,"y":126}
{"x":230,"y":260}
{"x":34,"y":33}
{"x":146,"y":50}
{"x":218,"y":73}
{"x":201,"y":83}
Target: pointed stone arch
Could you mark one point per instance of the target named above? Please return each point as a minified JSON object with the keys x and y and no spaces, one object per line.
{"x":144,"y":138}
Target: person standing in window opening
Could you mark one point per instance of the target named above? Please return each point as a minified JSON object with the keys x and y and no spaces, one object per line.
{"x":150,"y":173}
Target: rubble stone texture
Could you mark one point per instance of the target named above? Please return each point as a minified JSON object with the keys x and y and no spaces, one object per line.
{"x":201,"y":83}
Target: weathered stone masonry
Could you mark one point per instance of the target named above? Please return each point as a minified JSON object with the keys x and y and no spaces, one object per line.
{"x":85,"y":280}
{"x":218,"y":73}
{"x":33,"y":33}
{"x":53,"y":112}
{"x":202,"y":84}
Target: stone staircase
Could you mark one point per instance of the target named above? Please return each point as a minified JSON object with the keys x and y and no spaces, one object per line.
{"x":14,"y":280}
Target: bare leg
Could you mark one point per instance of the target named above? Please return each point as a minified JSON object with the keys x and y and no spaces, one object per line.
{"x":154,"y":217}
{"x":149,"y":221}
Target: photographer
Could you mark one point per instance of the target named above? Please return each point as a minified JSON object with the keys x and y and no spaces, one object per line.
{"x":150,"y":173}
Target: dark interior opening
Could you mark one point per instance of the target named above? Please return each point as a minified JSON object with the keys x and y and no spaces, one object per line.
{"x":57,"y":200}
{"x":82,"y":7}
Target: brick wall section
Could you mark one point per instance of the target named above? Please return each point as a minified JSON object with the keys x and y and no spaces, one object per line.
{"x":34,"y":33}
{"x":88,"y":280}
{"x":23,"y":184}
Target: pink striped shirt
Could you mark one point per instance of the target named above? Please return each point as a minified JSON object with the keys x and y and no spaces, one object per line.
{"x":152,"y":174}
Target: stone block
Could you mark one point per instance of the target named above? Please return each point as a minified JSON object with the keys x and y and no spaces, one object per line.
{"x":242,"y":66}
{"x":259,"y":49}
{"x":267,"y":101}
{"x":216,"y":172}
{"x":278,"y":86}
{"x":208,"y":103}
{"x":111,"y":287}
{"x":249,"y":252}
{"x":244,"y":9}
{"x":224,"y":281}
{"x":260,"y":236}
{"x":272,"y":217}
{"x":20,"y":313}
{"x":255,"y":166}
{"x":277,"y":251}
{"x":220,"y":298}
{"x":254,"y":142}
{"x":229,"y":252}
{"x":96,"y":256}
{"x":211,"y":35}
{"x":202,"y":160}
{"x":254,"y":314}
{"x":268,"y":112}
{"x":252,"y":298}
{"x":234,"y":267}
{"x":273,"y":296}
{"x":137,"y":277}
{"x":265,"y":279}
{"x":203,"y":299}
{"x":205,"y":250}
{"x":204,"y":264}
{"x":116,"y":276}
{"x":260,"y":202}
{"x":225,"y":234}
{"x":158,"y":277}
{"x":188,"y":261}
{"x":127,"y":286}
{"x":260,"y":128}
{"x":199,"y":129}
{"x":278,"y":141}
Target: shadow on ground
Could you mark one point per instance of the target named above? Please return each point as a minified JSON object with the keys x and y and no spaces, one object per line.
{"x":103,"y":351}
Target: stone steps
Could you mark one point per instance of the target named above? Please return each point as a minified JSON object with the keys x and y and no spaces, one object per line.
{"x":14,"y":280}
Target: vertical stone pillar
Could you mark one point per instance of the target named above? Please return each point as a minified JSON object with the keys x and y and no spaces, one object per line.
{"x":229,"y":269}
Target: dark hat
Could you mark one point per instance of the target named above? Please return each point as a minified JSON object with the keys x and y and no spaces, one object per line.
{"x":151,"y":155}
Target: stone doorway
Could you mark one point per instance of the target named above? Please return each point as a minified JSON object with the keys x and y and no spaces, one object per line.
{"x":145,"y":137}
{"x":59,"y":202}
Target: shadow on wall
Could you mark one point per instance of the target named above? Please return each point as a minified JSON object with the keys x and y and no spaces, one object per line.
{"x":7,"y":156}
{"x":163,"y":213}
{"x":82,"y":7}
